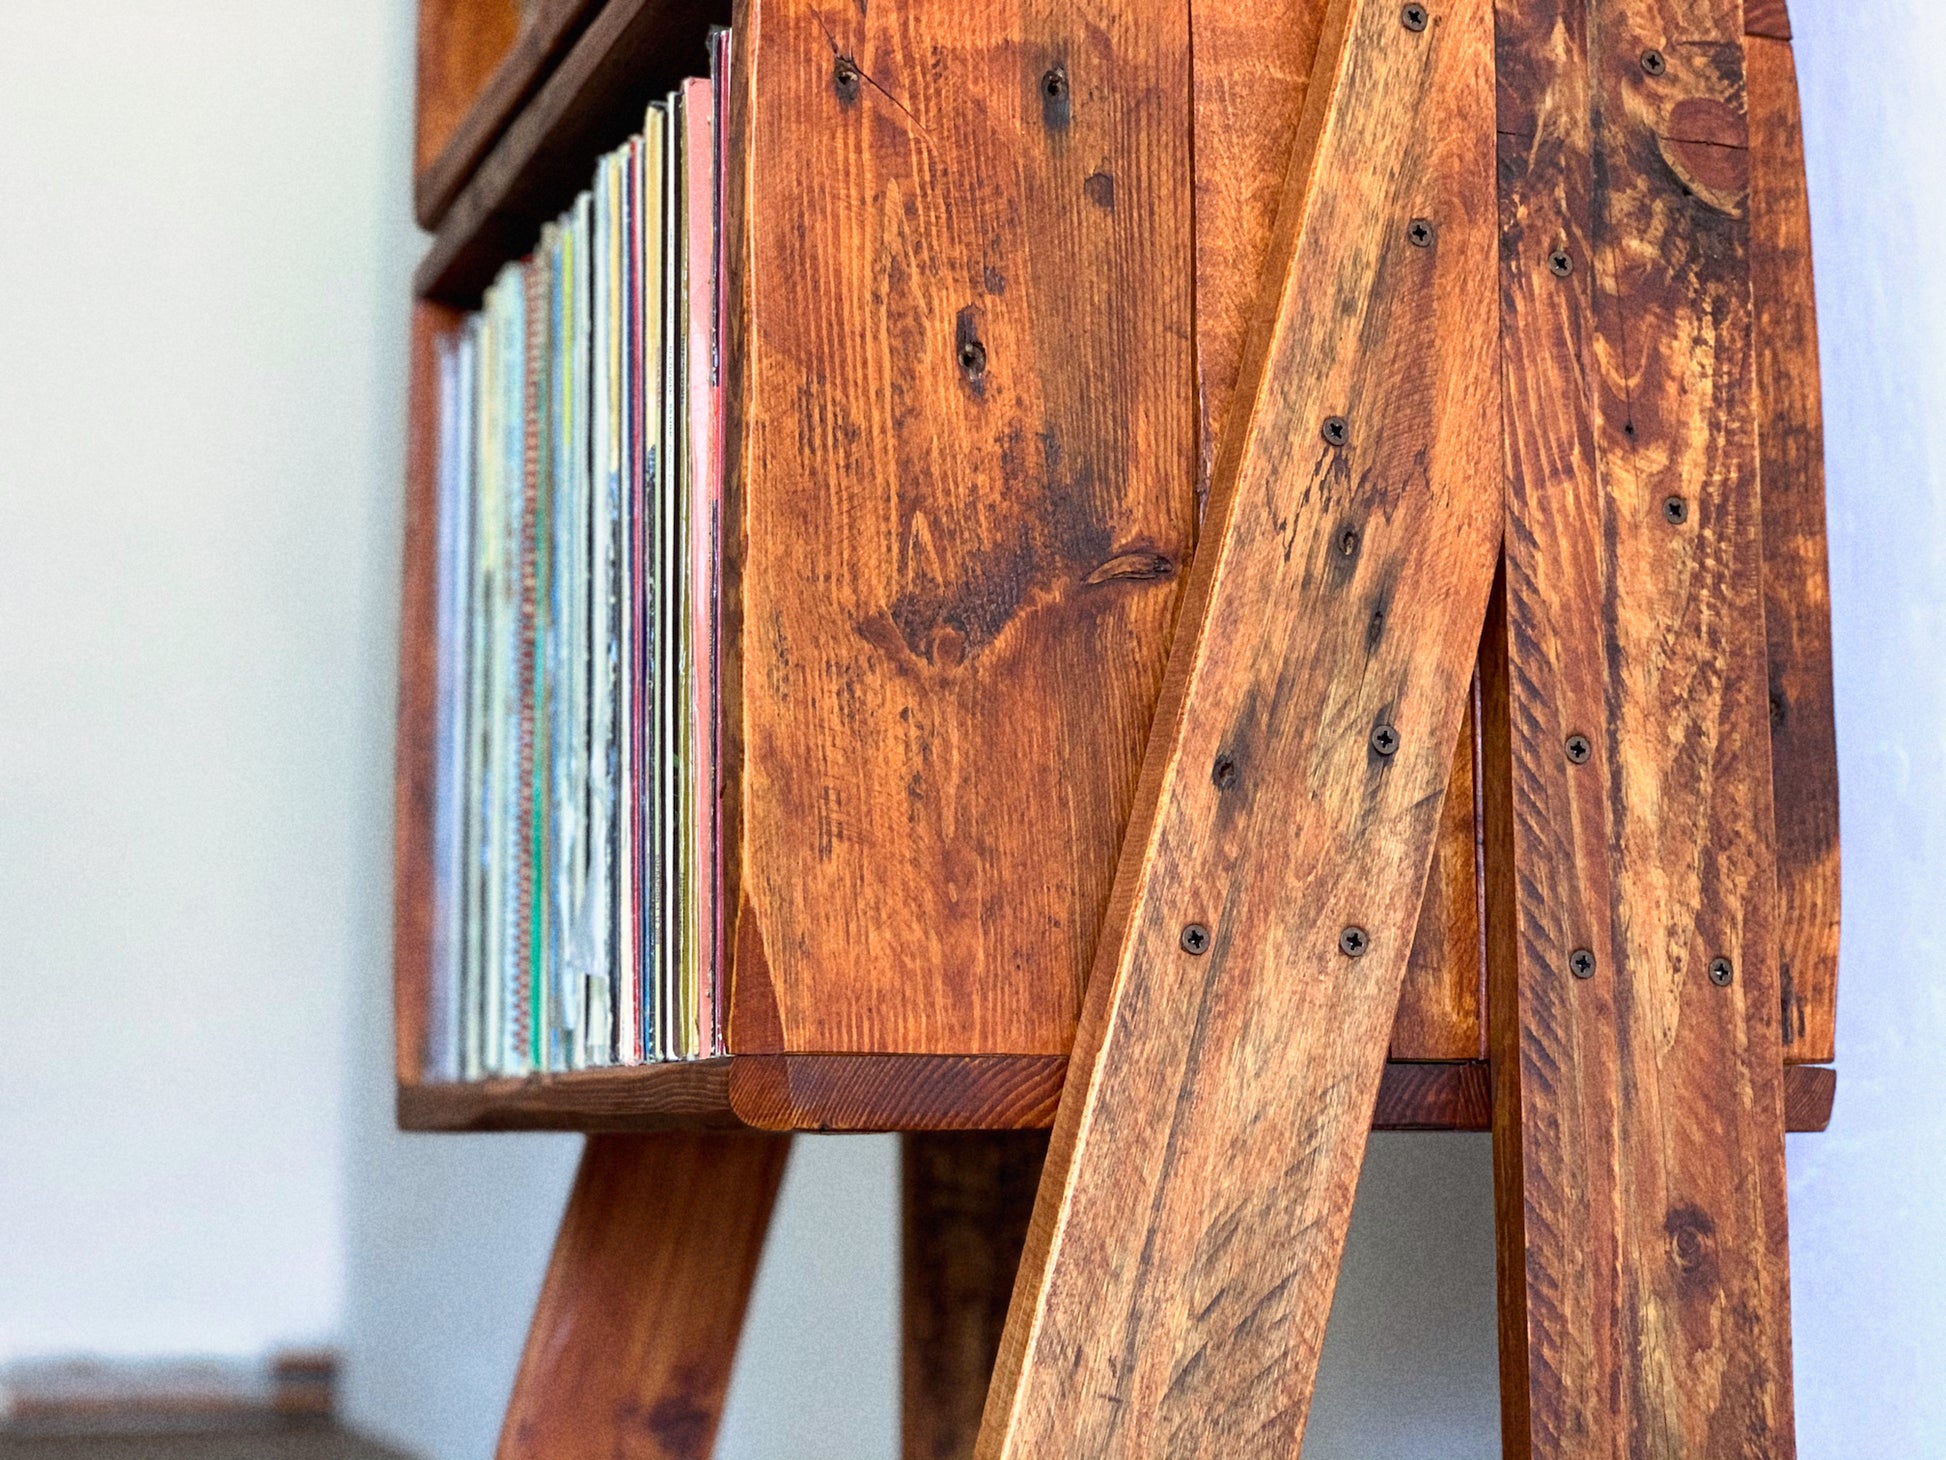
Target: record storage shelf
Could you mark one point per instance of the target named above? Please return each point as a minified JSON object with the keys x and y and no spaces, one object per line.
{"x":936,"y":693}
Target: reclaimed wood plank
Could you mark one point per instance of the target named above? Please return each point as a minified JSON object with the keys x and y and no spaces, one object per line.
{"x":460,"y":45}
{"x":630,"y":1350}
{"x":1797,"y":574}
{"x":965,"y":1200}
{"x":1250,"y":964}
{"x":1638,"y":1108}
{"x":966,"y":441}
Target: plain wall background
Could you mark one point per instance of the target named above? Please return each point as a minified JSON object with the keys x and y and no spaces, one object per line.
{"x":204,"y":250}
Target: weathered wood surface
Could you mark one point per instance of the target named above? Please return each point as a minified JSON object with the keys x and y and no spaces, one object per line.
{"x":478,"y":65}
{"x":1638,"y":1113}
{"x":416,"y":728}
{"x":1165,"y":1306}
{"x":630,"y":1350}
{"x":966,"y":1199}
{"x":681,"y":1095}
{"x":1252,"y":69}
{"x":1797,"y":580}
{"x":967,"y":434}
{"x":876,"y":1092}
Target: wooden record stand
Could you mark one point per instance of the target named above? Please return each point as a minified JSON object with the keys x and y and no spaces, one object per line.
{"x":1360,"y":465}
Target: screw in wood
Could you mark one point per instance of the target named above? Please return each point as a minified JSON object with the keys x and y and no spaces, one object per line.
{"x":1223,"y":773}
{"x":973,"y":357}
{"x":1414,"y":17}
{"x":1418,"y":233}
{"x":1653,"y":63}
{"x":1559,"y":263}
{"x":1385,"y":740}
{"x":1721,"y":972}
{"x":1195,"y":940}
{"x":1676,"y":510}
{"x":1579,"y":749}
{"x":1353,"y":941}
{"x":1336,"y":430}
{"x":1581,"y":963}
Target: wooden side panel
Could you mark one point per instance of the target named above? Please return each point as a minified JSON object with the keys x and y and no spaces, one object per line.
{"x":1797,"y":579}
{"x":629,"y":1354}
{"x":1234,"y":1022}
{"x":968,"y":458}
{"x":1252,"y":67}
{"x":966,"y":1201}
{"x":417,"y":729}
{"x":460,"y":44}
{"x":1638,"y":1132}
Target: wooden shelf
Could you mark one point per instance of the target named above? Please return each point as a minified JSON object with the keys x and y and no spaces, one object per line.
{"x":452,"y":37}
{"x":916,"y":1092}
{"x":630,"y":53}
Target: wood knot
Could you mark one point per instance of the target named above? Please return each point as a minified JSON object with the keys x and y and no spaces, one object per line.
{"x":1138,"y":566}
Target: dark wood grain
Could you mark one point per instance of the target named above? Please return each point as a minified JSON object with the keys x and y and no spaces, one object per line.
{"x":416,"y":727}
{"x":1165,"y":1306}
{"x":1766,"y":18}
{"x":967,"y":444}
{"x":1638,"y":1111}
{"x":474,"y":75}
{"x":629,"y":1354}
{"x":966,"y":1199}
{"x":633,"y":51}
{"x":1810,"y":1091}
{"x":862,"y":1092}
{"x":688,"y":1095}
{"x":1797,"y":576}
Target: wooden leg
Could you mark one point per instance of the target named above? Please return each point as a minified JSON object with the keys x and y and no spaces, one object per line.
{"x":1186,"y":1236}
{"x":967,"y":1196}
{"x":1638,"y":1126}
{"x":629,"y":1354}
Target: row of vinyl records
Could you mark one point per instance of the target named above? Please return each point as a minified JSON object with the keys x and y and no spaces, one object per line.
{"x":576,"y":866}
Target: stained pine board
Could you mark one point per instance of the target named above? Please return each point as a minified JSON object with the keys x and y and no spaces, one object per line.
{"x":1166,"y":1306}
{"x":1251,"y":68}
{"x":1638,"y":1130}
{"x":1797,"y":574}
{"x":629,"y":1353}
{"x":965,"y":456}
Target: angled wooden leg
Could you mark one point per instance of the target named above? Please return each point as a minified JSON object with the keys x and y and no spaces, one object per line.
{"x":629,"y":1354}
{"x":967,"y":1196}
{"x":1638,"y":1130}
{"x":1186,"y":1236}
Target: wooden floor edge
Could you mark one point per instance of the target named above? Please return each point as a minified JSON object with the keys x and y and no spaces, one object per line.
{"x":884,"y":1092}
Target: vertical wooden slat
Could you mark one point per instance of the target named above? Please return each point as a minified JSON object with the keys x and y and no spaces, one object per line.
{"x":629,"y":1354}
{"x":1797,"y":580}
{"x":1638,"y":1113}
{"x":416,"y":728}
{"x":967,"y":1196}
{"x":1186,"y":1237}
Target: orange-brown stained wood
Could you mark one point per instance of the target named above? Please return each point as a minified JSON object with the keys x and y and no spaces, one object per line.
{"x":1797,"y":580}
{"x":1186,"y":1238}
{"x":966,"y":1199}
{"x":416,"y":727}
{"x":1252,"y":67}
{"x":1638,"y":1129}
{"x":630,"y":1349}
{"x":968,"y":452}
{"x":461,"y":42}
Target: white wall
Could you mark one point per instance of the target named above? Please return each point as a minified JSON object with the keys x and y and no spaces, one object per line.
{"x":203,"y":256}
{"x":198,"y":463}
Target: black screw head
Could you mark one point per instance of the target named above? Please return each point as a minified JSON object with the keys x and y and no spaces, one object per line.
{"x":1418,"y":233}
{"x":1721,"y":972}
{"x":1414,"y":17}
{"x":1581,"y":963}
{"x":1195,"y":940}
{"x":1676,"y":510}
{"x":1385,"y":740}
{"x":1353,"y":941}
{"x":1653,"y":62}
{"x":1559,"y":264}
{"x":1224,"y":773}
{"x":1336,"y":430}
{"x":1579,"y":749}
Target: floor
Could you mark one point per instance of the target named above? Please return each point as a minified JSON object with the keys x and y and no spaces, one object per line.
{"x":308,"y":1442}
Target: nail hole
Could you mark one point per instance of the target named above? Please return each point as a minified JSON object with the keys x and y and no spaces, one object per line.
{"x":1224,"y":773}
{"x":1348,"y":541}
{"x":973,"y":357}
{"x":844,"y":79}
